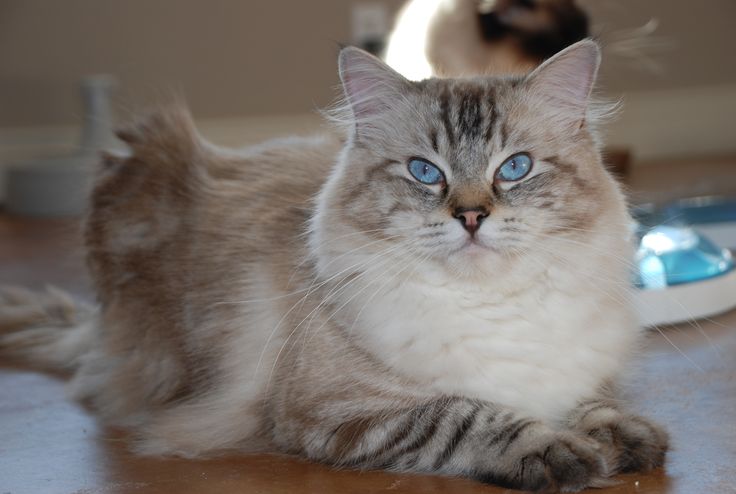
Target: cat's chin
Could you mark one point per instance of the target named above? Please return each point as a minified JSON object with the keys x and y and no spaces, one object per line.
{"x":473,"y":259}
{"x":475,"y":248}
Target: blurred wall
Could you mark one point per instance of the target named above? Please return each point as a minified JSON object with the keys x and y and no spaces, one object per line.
{"x":228,"y":57}
{"x":233,"y":58}
{"x":692,"y":46}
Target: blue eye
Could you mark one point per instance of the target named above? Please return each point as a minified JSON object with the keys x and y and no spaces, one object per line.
{"x":425,"y":172}
{"x":515,"y":168}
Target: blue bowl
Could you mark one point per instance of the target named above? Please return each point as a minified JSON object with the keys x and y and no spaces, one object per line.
{"x":671,"y":255}
{"x":671,"y":252}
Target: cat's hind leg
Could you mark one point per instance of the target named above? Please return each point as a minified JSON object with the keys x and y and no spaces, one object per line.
{"x":212,"y":423}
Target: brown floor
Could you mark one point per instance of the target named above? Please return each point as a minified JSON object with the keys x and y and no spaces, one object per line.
{"x":51,"y":445}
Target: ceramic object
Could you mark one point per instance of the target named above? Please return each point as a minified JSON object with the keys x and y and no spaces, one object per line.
{"x":59,"y":186}
{"x":683,"y":273}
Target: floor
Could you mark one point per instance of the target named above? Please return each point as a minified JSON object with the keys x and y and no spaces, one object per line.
{"x":687,"y":381}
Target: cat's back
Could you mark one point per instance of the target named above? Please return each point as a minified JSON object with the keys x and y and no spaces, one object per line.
{"x":178,"y":194}
{"x":178,"y":224}
{"x":178,"y":230}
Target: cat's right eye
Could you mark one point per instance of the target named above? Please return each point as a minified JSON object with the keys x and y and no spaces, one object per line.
{"x":425,"y":172}
{"x":515,"y":168}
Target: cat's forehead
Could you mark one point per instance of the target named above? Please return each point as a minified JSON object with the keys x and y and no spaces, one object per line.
{"x":436,"y":86}
{"x":467,"y":118}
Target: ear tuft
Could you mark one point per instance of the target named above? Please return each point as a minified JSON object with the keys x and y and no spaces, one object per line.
{"x":369,"y":84}
{"x":566,"y":80}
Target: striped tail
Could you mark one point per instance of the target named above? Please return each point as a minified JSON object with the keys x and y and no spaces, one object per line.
{"x":46,"y":330}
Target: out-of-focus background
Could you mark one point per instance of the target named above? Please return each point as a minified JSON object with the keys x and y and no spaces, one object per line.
{"x":255,"y":69}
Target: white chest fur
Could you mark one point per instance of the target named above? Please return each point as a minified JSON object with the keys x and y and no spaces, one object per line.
{"x":540,"y":349}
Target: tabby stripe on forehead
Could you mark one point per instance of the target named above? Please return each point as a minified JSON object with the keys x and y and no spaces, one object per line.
{"x":445,"y":110}
{"x":504,"y":133}
{"x":433,"y":140}
{"x":469,"y":113}
{"x":492,"y":114}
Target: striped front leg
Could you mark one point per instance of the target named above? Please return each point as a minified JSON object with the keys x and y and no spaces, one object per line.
{"x":457,"y":436}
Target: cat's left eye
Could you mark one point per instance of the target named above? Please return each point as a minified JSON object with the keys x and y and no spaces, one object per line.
{"x":425,"y":172}
{"x":515,"y":168}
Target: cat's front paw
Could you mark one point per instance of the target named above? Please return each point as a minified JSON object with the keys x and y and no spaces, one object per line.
{"x":564,"y":463}
{"x":637,"y":444}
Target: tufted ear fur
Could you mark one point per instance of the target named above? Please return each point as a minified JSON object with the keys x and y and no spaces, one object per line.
{"x":565,"y":81}
{"x":370,"y":85}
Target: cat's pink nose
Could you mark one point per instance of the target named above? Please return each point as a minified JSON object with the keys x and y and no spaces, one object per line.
{"x":471,"y":218}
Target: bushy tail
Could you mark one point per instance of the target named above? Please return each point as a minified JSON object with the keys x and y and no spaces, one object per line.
{"x":47,"y":330}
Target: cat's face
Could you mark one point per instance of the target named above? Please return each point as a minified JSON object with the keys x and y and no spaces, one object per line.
{"x":468,"y":174}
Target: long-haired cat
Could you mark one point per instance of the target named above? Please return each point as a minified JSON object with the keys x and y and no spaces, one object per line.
{"x":454,"y":38}
{"x":443,"y":289}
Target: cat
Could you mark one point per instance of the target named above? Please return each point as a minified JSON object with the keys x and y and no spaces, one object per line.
{"x":440,"y":288}
{"x":454,"y":38}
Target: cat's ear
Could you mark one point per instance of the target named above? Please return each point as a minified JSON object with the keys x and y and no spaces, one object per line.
{"x":565,"y":81}
{"x":370,"y":85}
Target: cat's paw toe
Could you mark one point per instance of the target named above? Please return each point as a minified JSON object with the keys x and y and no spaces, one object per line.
{"x":638,"y":444}
{"x":567,"y":463}
{"x":572,"y":464}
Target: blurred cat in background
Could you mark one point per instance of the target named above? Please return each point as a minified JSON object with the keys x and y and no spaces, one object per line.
{"x":455,"y":38}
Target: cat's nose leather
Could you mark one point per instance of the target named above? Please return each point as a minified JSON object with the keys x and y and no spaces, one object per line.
{"x":471,"y":218}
